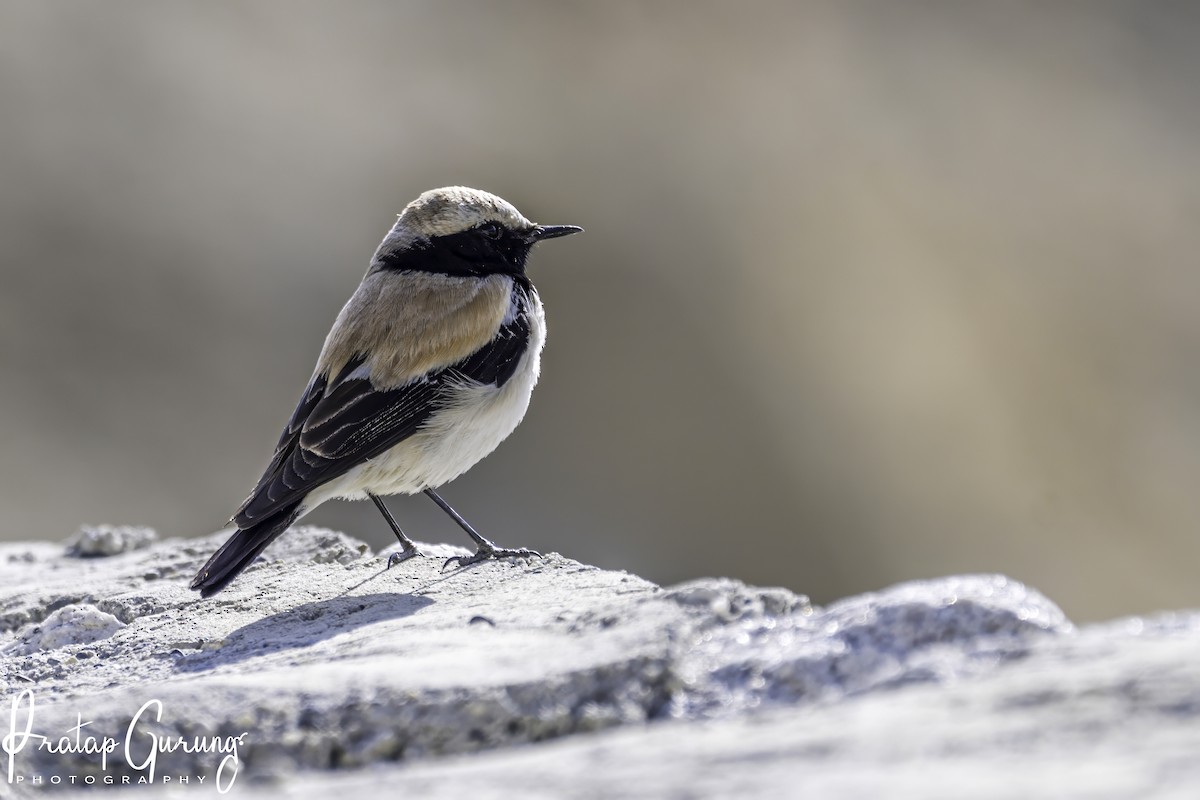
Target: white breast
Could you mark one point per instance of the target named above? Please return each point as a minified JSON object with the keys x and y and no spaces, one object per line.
{"x":476,"y":421}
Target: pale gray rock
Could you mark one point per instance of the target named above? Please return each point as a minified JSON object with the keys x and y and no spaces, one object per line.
{"x":1110,"y":715}
{"x":331,"y":673}
{"x":98,"y":541}
{"x":74,"y":624}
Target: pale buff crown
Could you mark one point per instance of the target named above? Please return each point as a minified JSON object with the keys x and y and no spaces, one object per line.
{"x":453,"y":209}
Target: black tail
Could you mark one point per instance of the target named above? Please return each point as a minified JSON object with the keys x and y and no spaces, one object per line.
{"x":241,"y":549}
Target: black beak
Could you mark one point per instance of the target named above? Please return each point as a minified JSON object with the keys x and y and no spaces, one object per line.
{"x":553,"y":231}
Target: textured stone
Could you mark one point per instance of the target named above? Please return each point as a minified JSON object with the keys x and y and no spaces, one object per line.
{"x":98,"y":541}
{"x":319,"y":661}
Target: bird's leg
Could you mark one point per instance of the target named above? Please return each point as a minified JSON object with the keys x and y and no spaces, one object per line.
{"x":486,"y":548}
{"x":410,"y":549}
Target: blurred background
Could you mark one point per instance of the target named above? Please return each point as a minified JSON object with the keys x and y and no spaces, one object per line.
{"x":869,"y":291}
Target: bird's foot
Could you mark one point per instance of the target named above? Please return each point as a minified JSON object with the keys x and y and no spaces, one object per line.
{"x":489,"y":550}
{"x":402,"y":555}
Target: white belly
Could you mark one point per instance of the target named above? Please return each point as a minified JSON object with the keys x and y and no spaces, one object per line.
{"x":454,"y":439}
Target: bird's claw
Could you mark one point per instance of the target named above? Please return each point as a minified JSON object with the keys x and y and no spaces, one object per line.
{"x":484,"y":553}
{"x":403,"y":555}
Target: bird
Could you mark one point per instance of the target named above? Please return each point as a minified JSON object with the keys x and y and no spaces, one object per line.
{"x":427,"y":369}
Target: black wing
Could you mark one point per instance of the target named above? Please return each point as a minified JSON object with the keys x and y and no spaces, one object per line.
{"x":334,"y":430}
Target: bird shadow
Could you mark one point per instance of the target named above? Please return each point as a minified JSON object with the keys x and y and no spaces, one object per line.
{"x":302,"y":626}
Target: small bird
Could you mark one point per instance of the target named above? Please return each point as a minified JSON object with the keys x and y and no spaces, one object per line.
{"x":428,"y":367}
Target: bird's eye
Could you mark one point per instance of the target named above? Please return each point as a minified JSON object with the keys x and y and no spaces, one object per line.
{"x":491,"y":230}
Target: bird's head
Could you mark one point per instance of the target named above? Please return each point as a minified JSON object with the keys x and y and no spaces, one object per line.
{"x":462,"y":232}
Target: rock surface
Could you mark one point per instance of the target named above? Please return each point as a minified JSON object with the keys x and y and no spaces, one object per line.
{"x":548,"y":678}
